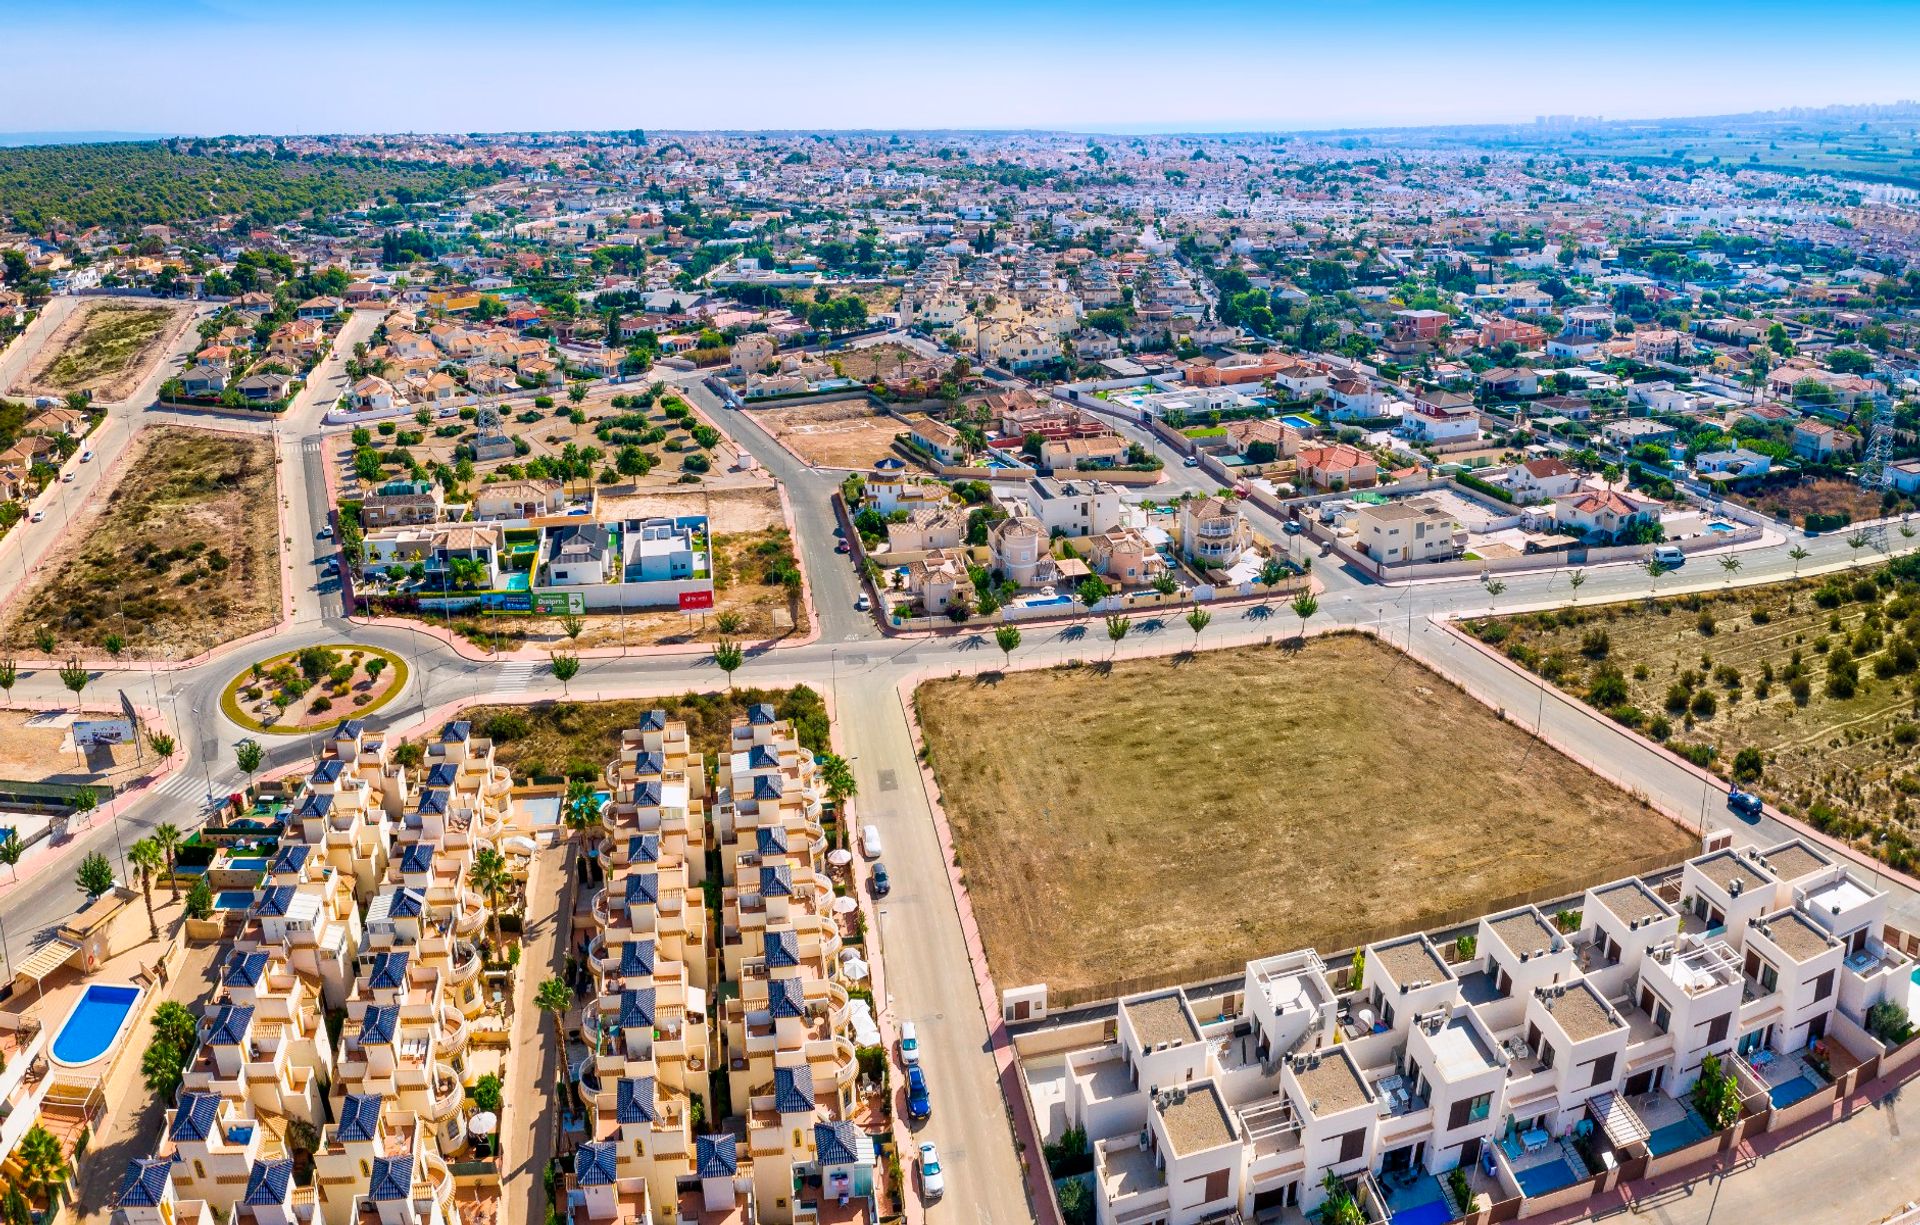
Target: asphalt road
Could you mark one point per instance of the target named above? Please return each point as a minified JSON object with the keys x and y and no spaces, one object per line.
{"x":925,"y":958}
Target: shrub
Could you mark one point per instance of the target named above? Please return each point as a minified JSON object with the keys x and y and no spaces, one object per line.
{"x":1659,"y":728}
{"x":507,"y":726}
{"x":1888,"y":1022}
{"x":1705,"y":623}
{"x":1607,"y":689}
{"x":1627,"y":715}
{"x":1595,"y":644}
{"x":1748,"y":764}
{"x":1704,"y":704}
{"x":1801,"y":689}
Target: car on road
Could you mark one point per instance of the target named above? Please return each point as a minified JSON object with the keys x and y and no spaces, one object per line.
{"x":66,"y":478}
{"x":86,"y":457}
{"x":1293,"y":527}
{"x":863,"y":603}
{"x":882,"y":883}
{"x":870,"y":840}
{"x":919,"y":1100}
{"x":1191,"y":461}
{"x":842,"y":546}
{"x":933,"y":1183}
{"x":326,"y":531}
{"x":1746,"y":803}
{"x":909,"y":1044}
{"x":1669,"y":555}
{"x":37,"y":516}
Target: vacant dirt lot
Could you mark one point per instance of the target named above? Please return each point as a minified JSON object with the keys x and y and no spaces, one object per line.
{"x":181,"y":555}
{"x":837,"y":434}
{"x":1824,"y":495}
{"x":879,"y":361}
{"x":1171,"y":820}
{"x":1761,"y":669}
{"x":105,"y":348}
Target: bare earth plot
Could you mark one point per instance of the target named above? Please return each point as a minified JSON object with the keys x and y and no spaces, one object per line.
{"x":1763,"y":668}
{"x":105,"y":348}
{"x":869,"y":362}
{"x":181,"y":554}
{"x":1170,"y":821}
{"x":837,"y":434}
{"x":1822,"y":495}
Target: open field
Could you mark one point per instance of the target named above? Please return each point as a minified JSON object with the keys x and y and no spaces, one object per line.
{"x":869,"y":362}
{"x":105,"y":348}
{"x":836,"y":434}
{"x":37,"y":747}
{"x":1764,"y":669}
{"x":1170,"y":820}
{"x":180,"y":555}
{"x":1822,"y":495}
{"x":580,"y":738}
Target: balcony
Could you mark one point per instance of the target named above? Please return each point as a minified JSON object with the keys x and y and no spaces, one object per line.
{"x":470,"y":915}
{"x":447,"y":1093}
{"x":454,"y":1032}
{"x":466,"y":965}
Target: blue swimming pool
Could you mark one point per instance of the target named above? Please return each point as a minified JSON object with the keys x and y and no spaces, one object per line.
{"x":93,"y":1026}
{"x":1545,"y":1177}
{"x":1299,"y":422}
{"x":1721,"y":529}
{"x":233,"y":899}
{"x":1433,"y":1212}
{"x":1788,"y":1092}
{"x":1051,"y":601}
{"x":247,"y":864}
{"x":1676,"y":1136}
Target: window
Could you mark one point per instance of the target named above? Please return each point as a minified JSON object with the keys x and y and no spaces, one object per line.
{"x":1603,"y":1069}
{"x":1717,"y":1029}
{"x":1662,"y":1018}
{"x":1216,"y":1187}
{"x":1546,"y":1054}
{"x":1351,"y":1144}
{"x":1823,"y":986}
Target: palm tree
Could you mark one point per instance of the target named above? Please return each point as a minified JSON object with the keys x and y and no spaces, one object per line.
{"x":167,"y":838}
{"x":43,"y":1166}
{"x":582,"y":803}
{"x":1007,"y":638}
{"x":1198,"y":620}
{"x":1117,"y":627}
{"x":147,"y":859}
{"x":160,"y":1066}
{"x":490,"y":876}
{"x":9,"y":677}
{"x":1304,"y":606}
{"x":1730,"y":566}
{"x":728,"y":655}
{"x":1494,"y":588}
{"x":1654,"y":568}
{"x":553,"y":998}
{"x":74,"y":675}
{"x":1799,"y":555}
{"x":837,"y":777}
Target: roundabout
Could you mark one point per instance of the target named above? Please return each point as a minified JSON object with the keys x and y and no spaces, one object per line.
{"x":300,"y":691}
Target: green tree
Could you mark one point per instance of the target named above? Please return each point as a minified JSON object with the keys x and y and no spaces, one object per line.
{"x":1165,"y":584}
{"x":1093,"y":589}
{"x":161,"y":1066}
{"x":1007,"y":638}
{"x":490,"y":875}
{"x":74,"y":675}
{"x":9,"y":677}
{"x":147,"y":859}
{"x":166,"y":836}
{"x":173,"y":1024}
{"x":1117,"y":628}
{"x":1716,"y":1095}
{"x":162,"y":744}
{"x":553,"y":998}
{"x":11,"y":849}
{"x":728,"y":655}
{"x":200,"y":898}
{"x":1576,"y":580}
{"x":1799,"y":555}
{"x":43,"y":1164}
{"x":571,"y":625}
{"x":565,"y":668}
{"x":1197,"y":621}
{"x":249,"y":754}
{"x":1304,"y":606}
{"x":95,"y":876}
{"x":487,"y":1093}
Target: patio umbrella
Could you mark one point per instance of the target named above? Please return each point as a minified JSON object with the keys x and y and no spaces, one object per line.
{"x":840,"y":857}
{"x":484,"y":1124}
{"x":855,"y":969}
{"x":845,"y":905}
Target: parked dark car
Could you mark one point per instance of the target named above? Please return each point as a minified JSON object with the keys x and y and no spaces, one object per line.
{"x":919,"y":1101}
{"x":882,"y":883}
{"x":1746,"y":803}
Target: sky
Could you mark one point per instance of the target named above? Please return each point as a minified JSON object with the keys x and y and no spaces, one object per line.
{"x":214,"y":67}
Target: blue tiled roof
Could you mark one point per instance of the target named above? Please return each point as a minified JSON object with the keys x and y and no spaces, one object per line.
{"x":644,"y":848}
{"x":635,"y":1100}
{"x":389,"y":970}
{"x":433,"y":800}
{"x":442,"y":774}
{"x":836,"y":1143}
{"x":316,"y":804}
{"x":715,"y":1157}
{"x":274,"y":901}
{"x":392,"y":1178}
{"x":359,"y":1117}
{"x":763,"y":757}
{"x":793,"y":1089}
{"x":352,"y":729}
{"x":328,"y":770}
{"x":417,"y":857}
{"x":647,"y":794}
{"x":636,"y":1007}
{"x":597,"y":1164}
{"x":407,"y":904}
{"x":378,"y":1023}
{"x":636,"y":957}
{"x":456,"y":731}
{"x":781,"y":948}
{"x":761,"y":714}
{"x":245,"y":970}
{"x":650,"y":763}
{"x":653,"y":721}
{"x":193,"y":1118}
{"x":268,"y":1181}
{"x":291,"y":858}
{"x":145,"y":1184}
{"x":230,"y":1025}
{"x":766,"y":787}
{"x":785,"y":997}
{"x":643,"y":888}
{"x":770,"y":839}
{"x":776,"y":880}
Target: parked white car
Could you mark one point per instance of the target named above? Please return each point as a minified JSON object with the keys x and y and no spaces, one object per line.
{"x":909,"y":1043}
{"x":86,"y":457}
{"x":870,"y":840}
{"x":933,"y":1183}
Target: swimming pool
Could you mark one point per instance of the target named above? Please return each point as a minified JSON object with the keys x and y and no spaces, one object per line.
{"x":1299,"y":422}
{"x":233,"y":899}
{"x":95,"y":1024}
{"x":1788,"y":1092}
{"x":1720,"y":529}
{"x":1676,"y":1136}
{"x":1051,"y":601}
{"x":1545,"y":1177}
{"x":246,"y":864}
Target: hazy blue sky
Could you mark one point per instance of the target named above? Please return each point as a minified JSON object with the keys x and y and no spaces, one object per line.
{"x":222,"y":66}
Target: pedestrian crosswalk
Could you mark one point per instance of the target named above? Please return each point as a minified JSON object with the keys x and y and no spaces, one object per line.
{"x":182,"y":788}
{"x":517,"y":677}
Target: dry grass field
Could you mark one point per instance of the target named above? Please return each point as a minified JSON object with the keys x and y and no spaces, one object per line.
{"x":837,"y":434}
{"x":105,"y":348}
{"x":181,"y":555}
{"x":1764,"y":669}
{"x":1822,"y":495}
{"x":870,"y":362}
{"x":1171,"y":820}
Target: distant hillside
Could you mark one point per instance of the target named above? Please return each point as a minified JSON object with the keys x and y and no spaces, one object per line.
{"x":167,"y":182}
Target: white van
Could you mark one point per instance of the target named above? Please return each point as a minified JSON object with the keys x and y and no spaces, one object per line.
{"x":1669,"y":555}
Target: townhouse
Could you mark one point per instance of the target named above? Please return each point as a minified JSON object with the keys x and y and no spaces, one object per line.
{"x":1490,"y":1055}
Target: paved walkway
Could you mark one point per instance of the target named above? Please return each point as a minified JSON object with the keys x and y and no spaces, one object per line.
{"x":530,"y":1109}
